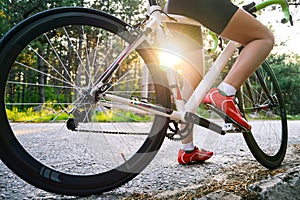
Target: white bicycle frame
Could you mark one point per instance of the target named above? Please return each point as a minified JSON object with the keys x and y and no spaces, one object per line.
{"x":184,"y":112}
{"x":154,"y":24}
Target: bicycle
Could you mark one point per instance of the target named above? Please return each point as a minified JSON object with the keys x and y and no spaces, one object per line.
{"x":79,"y":67}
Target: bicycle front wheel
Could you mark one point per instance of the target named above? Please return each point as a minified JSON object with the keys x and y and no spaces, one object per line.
{"x":263,"y":104}
{"x":54,"y":133}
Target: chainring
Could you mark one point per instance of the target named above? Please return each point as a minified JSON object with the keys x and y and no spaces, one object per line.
{"x":177,"y":134}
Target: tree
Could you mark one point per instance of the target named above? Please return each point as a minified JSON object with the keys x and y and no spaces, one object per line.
{"x":130,"y":11}
{"x":288,"y":75}
{"x":14,"y":11}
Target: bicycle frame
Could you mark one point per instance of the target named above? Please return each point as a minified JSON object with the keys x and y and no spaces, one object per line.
{"x":184,"y":112}
{"x":100,"y":156}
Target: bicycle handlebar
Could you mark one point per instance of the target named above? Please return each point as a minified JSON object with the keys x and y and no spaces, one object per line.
{"x":152,"y":2}
{"x":284,"y":6}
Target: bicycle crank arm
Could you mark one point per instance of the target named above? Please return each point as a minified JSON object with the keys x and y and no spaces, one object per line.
{"x":195,"y":119}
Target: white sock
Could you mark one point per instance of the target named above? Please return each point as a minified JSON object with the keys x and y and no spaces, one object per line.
{"x":188,"y":147}
{"x":229,"y":90}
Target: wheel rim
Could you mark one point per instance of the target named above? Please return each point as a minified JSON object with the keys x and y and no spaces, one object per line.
{"x":89,"y":139}
{"x":268,"y":138}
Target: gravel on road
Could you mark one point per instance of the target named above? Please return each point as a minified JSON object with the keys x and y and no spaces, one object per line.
{"x":232,"y":173}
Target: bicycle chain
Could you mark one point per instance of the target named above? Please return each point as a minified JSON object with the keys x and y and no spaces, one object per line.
{"x":73,"y":126}
{"x":175,"y":133}
{"x":110,"y":132}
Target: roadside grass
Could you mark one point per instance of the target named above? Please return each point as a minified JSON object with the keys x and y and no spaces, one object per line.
{"x":29,"y":115}
{"x":50,"y":115}
{"x":47,"y":114}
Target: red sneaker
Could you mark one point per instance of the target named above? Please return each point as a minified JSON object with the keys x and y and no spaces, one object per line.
{"x":194,"y":156}
{"x":227,"y":105}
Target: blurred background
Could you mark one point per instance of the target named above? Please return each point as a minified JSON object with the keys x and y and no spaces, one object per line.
{"x":284,"y":59}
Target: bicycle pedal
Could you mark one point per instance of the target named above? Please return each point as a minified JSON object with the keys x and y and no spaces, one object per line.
{"x":228,"y":120}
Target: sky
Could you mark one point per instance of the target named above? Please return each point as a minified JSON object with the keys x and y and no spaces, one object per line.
{"x":284,"y":32}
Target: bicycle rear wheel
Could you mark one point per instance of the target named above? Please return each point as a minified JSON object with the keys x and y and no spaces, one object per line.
{"x":54,"y":134}
{"x":263,"y":104}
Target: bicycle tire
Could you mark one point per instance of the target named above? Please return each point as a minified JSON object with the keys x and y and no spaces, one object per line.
{"x":85,"y":169}
{"x":263,"y":104}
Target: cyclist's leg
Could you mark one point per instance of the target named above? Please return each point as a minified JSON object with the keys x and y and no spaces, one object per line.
{"x":258,"y":42}
{"x":216,"y":15}
{"x":191,"y":82}
{"x":188,"y":39}
{"x":191,"y":67}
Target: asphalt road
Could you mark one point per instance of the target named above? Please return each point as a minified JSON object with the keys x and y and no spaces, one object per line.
{"x":231,"y":169}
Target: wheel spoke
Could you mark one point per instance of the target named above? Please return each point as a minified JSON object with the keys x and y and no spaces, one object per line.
{"x":264,"y":107}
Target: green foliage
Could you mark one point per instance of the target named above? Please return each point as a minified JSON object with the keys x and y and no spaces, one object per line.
{"x":121,"y":116}
{"x":14,"y":11}
{"x":48,"y":114}
{"x":286,"y":67}
{"x":288,"y":75}
{"x":30,"y":115}
{"x":4,"y":26}
{"x":130,"y":11}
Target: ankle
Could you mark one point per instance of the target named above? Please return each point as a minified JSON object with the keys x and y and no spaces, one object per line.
{"x":188,"y":147}
{"x":226,"y":89}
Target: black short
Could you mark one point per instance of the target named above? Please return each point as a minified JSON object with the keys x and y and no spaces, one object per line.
{"x":214,"y":14}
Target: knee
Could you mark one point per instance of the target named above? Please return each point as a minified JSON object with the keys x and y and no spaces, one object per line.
{"x":269,"y":40}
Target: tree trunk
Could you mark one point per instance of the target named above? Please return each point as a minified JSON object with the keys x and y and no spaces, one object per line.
{"x":41,"y":79}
